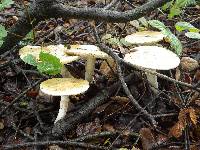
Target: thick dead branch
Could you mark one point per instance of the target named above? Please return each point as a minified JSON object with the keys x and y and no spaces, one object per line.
{"x":46,"y":143}
{"x":45,"y":9}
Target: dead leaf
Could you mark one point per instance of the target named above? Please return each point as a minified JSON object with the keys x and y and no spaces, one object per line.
{"x":187,"y":78}
{"x":135,"y":23}
{"x":176,"y":100}
{"x":189,"y":64}
{"x":197,"y":102}
{"x":177,"y":129}
{"x":184,"y":113}
{"x":120,"y":99}
{"x":109,"y":127}
{"x":178,"y":74}
{"x":197,"y":75}
{"x":161,"y":138}
{"x":193,"y":116}
{"x":1,"y":125}
{"x":147,"y":138}
{"x":88,"y":128}
{"x":32,"y":93}
{"x":55,"y":147}
{"x":194,"y":97}
{"x":101,"y":108}
{"x":108,"y":70}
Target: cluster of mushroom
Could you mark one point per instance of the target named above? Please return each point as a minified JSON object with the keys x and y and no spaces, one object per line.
{"x":68,"y":85}
{"x":150,"y":57}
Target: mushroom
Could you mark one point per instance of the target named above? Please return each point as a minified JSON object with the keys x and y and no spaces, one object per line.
{"x":90,"y":53}
{"x":154,"y":58}
{"x":144,"y":37}
{"x":56,"y":50}
{"x":64,"y":87}
{"x":59,"y":52}
{"x":33,"y":50}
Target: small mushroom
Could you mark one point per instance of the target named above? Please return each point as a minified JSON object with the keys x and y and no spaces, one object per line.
{"x":64,"y":87}
{"x":33,"y":50}
{"x":56,"y":50}
{"x":90,"y":53}
{"x":144,"y":37}
{"x":154,"y":58}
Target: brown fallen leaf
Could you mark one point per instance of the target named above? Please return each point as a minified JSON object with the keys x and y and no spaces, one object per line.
{"x":88,"y":128}
{"x":108,"y":70}
{"x":184,"y":115}
{"x":177,"y":129}
{"x":197,"y":75}
{"x":147,"y":138}
{"x":55,"y":147}
{"x":109,"y":127}
{"x":120,"y":99}
{"x":189,"y":64}
{"x":178,"y":74}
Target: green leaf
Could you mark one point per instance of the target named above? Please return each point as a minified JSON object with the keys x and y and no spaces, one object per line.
{"x":167,"y":5}
{"x":143,"y":21}
{"x":184,"y":3}
{"x":49,"y":64}
{"x":157,"y":24}
{"x":30,"y":59}
{"x":1,"y":42}
{"x":114,"y":41}
{"x":3,"y":32}
{"x":122,"y":41}
{"x":193,"y":35}
{"x":181,"y":26}
{"x":135,"y":23}
{"x":29,"y":36}
{"x":111,"y":40}
{"x":178,"y":6}
{"x":175,"y":43}
{"x":106,"y":37}
{"x":5,"y":3}
{"x":173,"y":40}
{"x":174,"y":11}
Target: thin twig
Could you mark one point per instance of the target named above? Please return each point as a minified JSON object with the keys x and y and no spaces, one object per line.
{"x":94,"y":135}
{"x":21,"y":132}
{"x":46,"y":143}
{"x":121,"y":78}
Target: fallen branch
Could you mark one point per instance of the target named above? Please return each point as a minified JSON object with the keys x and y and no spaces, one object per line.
{"x":45,"y":9}
{"x":61,"y":143}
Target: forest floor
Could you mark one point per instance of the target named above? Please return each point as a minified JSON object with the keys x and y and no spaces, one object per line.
{"x":115,"y":123}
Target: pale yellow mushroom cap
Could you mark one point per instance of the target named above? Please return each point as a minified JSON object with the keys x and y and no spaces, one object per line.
{"x":64,"y":86}
{"x":144,"y":37}
{"x":56,"y":50}
{"x":86,"y":51}
{"x":59,"y":51}
{"x":33,"y":50}
{"x":153,"y":57}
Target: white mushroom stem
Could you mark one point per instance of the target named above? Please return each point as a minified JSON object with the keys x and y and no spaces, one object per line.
{"x":89,"y":68}
{"x":65,"y":72}
{"x":64,"y":102}
{"x":152,"y":79}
